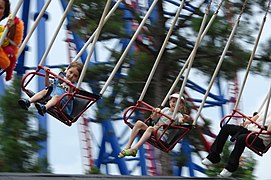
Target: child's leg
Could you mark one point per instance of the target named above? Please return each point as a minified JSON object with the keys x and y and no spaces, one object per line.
{"x":52,"y":102}
{"x":38,"y":96}
{"x":25,"y":103}
{"x":43,"y":108}
{"x":144,"y":138}
{"x":139,"y":125}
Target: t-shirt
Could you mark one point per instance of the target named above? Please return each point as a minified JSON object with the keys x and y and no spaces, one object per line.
{"x":164,"y":120}
{"x":253,"y":127}
{"x":60,"y":88}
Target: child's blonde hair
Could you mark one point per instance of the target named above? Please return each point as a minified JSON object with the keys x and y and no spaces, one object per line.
{"x":77,"y":65}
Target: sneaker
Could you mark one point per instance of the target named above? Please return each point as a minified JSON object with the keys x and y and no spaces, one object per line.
{"x":206,"y":162}
{"x":225,"y":173}
{"x":24,"y":103}
{"x":41,"y":108}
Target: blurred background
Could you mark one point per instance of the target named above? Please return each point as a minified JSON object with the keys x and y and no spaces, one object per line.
{"x":31,"y":143}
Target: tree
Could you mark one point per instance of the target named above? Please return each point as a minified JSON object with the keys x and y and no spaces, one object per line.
{"x":19,"y":139}
{"x":137,"y":64}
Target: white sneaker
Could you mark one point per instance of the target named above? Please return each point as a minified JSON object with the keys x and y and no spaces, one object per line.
{"x":225,"y":173}
{"x":206,"y":162}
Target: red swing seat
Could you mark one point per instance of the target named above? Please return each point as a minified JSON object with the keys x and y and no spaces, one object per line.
{"x":81,"y":99}
{"x":249,"y":144}
{"x":177,"y":132}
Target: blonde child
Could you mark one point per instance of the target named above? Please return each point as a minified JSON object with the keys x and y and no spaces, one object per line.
{"x":59,"y":88}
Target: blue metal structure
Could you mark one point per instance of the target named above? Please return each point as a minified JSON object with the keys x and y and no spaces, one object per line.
{"x":217,"y":101}
{"x":109,"y":136}
{"x":41,"y":42}
{"x":103,"y":156}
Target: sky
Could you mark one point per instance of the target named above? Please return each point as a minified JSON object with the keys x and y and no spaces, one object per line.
{"x":64,"y":147}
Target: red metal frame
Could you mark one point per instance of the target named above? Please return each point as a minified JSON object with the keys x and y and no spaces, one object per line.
{"x":58,"y":110}
{"x":261,"y":132}
{"x":154,"y":139}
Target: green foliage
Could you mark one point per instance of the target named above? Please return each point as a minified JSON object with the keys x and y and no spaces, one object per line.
{"x":19,"y":141}
{"x":94,"y":170}
{"x":88,"y":21}
{"x":186,"y":32}
{"x":126,"y":87}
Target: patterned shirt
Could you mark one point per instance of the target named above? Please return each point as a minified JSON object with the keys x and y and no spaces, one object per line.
{"x":60,"y":88}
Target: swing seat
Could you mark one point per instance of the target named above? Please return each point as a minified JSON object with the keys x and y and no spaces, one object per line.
{"x":80,"y":104}
{"x":250,"y":145}
{"x":252,"y":136}
{"x":81,"y":99}
{"x":176,"y":133}
{"x":167,"y":143}
{"x":143,"y":111}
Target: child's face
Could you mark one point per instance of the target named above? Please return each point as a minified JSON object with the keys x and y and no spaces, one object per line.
{"x":2,"y":8}
{"x":72,"y":74}
{"x":173,"y":102}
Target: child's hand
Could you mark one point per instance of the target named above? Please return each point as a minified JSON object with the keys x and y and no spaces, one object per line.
{"x":46,"y":68}
{"x":245,"y":123}
{"x":184,"y":119}
{"x":10,"y":23}
{"x":46,"y":79}
{"x":156,"y":113}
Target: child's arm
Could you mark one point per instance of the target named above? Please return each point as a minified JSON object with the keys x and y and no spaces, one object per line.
{"x":269,"y":129}
{"x":254,"y":118}
{"x":11,"y":32}
{"x":70,"y":88}
{"x":156,"y":114}
{"x":184,"y":119}
{"x":16,"y":28}
{"x":46,"y":78}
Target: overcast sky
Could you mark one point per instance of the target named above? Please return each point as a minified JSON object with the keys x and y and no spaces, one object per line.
{"x":64,"y":142}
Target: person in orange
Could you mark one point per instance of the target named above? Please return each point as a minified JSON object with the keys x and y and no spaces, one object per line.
{"x":10,"y":47}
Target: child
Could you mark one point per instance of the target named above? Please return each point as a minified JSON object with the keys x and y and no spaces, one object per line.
{"x":10,"y":46}
{"x":240,"y":133}
{"x":59,"y":88}
{"x":139,"y":125}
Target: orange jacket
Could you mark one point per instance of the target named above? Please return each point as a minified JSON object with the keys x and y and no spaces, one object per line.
{"x":17,"y":39}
